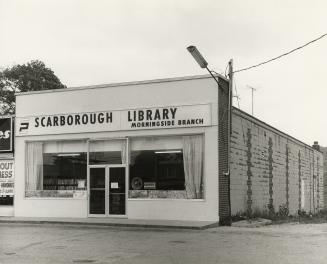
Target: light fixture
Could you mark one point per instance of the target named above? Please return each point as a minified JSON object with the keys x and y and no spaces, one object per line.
{"x":68,"y":155}
{"x":197,"y":56}
{"x":202,"y":62}
{"x":167,"y":151}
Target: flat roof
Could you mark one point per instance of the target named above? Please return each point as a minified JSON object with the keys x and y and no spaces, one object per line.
{"x":175,"y":79}
{"x":258,"y":121}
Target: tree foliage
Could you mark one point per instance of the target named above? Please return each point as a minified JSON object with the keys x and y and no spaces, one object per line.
{"x":32,"y":76}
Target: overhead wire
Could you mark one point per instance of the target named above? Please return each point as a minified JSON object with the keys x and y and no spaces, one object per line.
{"x":282,"y":55}
{"x":265,"y":62}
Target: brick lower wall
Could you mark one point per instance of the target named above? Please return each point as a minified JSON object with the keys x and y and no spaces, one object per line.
{"x":324,"y":197}
{"x":224,"y":195}
{"x":271,"y":169}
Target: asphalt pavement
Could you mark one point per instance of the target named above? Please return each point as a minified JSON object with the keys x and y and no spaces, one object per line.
{"x":53,"y":243}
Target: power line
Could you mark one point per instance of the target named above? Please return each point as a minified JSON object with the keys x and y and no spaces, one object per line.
{"x":282,"y":55}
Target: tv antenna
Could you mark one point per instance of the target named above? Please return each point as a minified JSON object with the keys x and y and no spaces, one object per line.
{"x":252,"y":89}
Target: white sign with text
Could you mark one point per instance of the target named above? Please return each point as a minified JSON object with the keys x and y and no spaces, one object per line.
{"x":6,"y":177}
{"x":132,"y":119}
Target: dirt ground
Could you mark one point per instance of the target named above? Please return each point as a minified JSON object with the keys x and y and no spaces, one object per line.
{"x":287,"y":243}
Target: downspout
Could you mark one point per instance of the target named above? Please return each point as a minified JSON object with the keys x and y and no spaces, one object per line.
{"x":228,"y":174}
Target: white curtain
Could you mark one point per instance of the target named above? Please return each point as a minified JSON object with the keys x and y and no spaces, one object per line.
{"x":34,"y":166}
{"x":193,"y":156}
{"x":123,"y":152}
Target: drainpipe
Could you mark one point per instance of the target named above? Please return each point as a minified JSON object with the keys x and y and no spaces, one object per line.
{"x":228,"y":174}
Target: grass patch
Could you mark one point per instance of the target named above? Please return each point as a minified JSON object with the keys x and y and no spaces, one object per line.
{"x":282,"y":216}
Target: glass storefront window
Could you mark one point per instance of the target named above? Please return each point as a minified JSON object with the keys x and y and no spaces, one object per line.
{"x":157,"y":170}
{"x":107,"y":152}
{"x":166,"y":167}
{"x":64,"y":171}
{"x":160,"y":167}
{"x":56,"y":169}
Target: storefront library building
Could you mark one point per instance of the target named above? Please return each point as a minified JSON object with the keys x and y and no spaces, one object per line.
{"x":154,"y":150}
{"x":139,"y":150}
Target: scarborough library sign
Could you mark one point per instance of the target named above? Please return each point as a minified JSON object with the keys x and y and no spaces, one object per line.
{"x":132,"y":119}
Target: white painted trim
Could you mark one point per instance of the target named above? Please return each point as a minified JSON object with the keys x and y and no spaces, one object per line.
{"x":54,"y":198}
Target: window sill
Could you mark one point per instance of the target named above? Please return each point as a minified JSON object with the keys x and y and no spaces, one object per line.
{"x":61,"y":195}
{"x":166,"y":199}
{"x":159,"y":194}
{"x":55,"y":198}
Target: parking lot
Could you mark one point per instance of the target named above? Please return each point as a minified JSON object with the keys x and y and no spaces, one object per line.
{"x":47,"y":243}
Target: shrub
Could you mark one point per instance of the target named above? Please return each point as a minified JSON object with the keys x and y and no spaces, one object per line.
{"x":302,"y":212}
{"x":283,"y":210}
{"x":239,"y":216}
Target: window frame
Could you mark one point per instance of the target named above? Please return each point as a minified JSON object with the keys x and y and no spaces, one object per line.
{"x":76,"y":194}
{"x":83,"y":193}
{"x":204,"y":185}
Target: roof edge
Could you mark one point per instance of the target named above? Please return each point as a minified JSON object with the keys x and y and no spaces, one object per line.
{"x":174,"y":79}
{"x":257,"y":120}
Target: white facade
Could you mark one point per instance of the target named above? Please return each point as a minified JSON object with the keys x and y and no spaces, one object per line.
{"x":191,"y":97}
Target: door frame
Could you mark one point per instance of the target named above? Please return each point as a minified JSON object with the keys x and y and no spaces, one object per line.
{"x":107,"y":168}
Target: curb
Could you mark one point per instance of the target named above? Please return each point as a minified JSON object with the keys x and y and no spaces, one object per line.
{"x":134,"y":225}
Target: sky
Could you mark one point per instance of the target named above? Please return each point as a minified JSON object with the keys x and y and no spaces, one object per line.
{"x":106,"y":41}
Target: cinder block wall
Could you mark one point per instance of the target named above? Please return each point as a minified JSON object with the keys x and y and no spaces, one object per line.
{"x":324,"y":197}
{"x":271,"y":169}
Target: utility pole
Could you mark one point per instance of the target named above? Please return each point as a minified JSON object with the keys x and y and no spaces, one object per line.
{"x":230,"y":86}
{"x":253,"y":89}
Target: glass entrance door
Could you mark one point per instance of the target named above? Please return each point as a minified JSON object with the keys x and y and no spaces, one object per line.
{"x":117,"y":191}
{"x":107,"y":191}
{"x":97,"y":196}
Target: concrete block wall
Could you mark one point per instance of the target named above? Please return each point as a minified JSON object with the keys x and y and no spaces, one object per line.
{"x":271,"y":169}
{"x":324,"y":197}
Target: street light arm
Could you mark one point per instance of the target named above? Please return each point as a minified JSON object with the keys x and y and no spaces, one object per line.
{"x":213,"y":76}
{"x":202,"y":62}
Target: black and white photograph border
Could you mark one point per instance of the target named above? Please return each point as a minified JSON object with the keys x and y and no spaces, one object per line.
{"x":176,"y":131}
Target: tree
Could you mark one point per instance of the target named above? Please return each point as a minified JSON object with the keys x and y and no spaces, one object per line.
{"x":32,"y":76}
